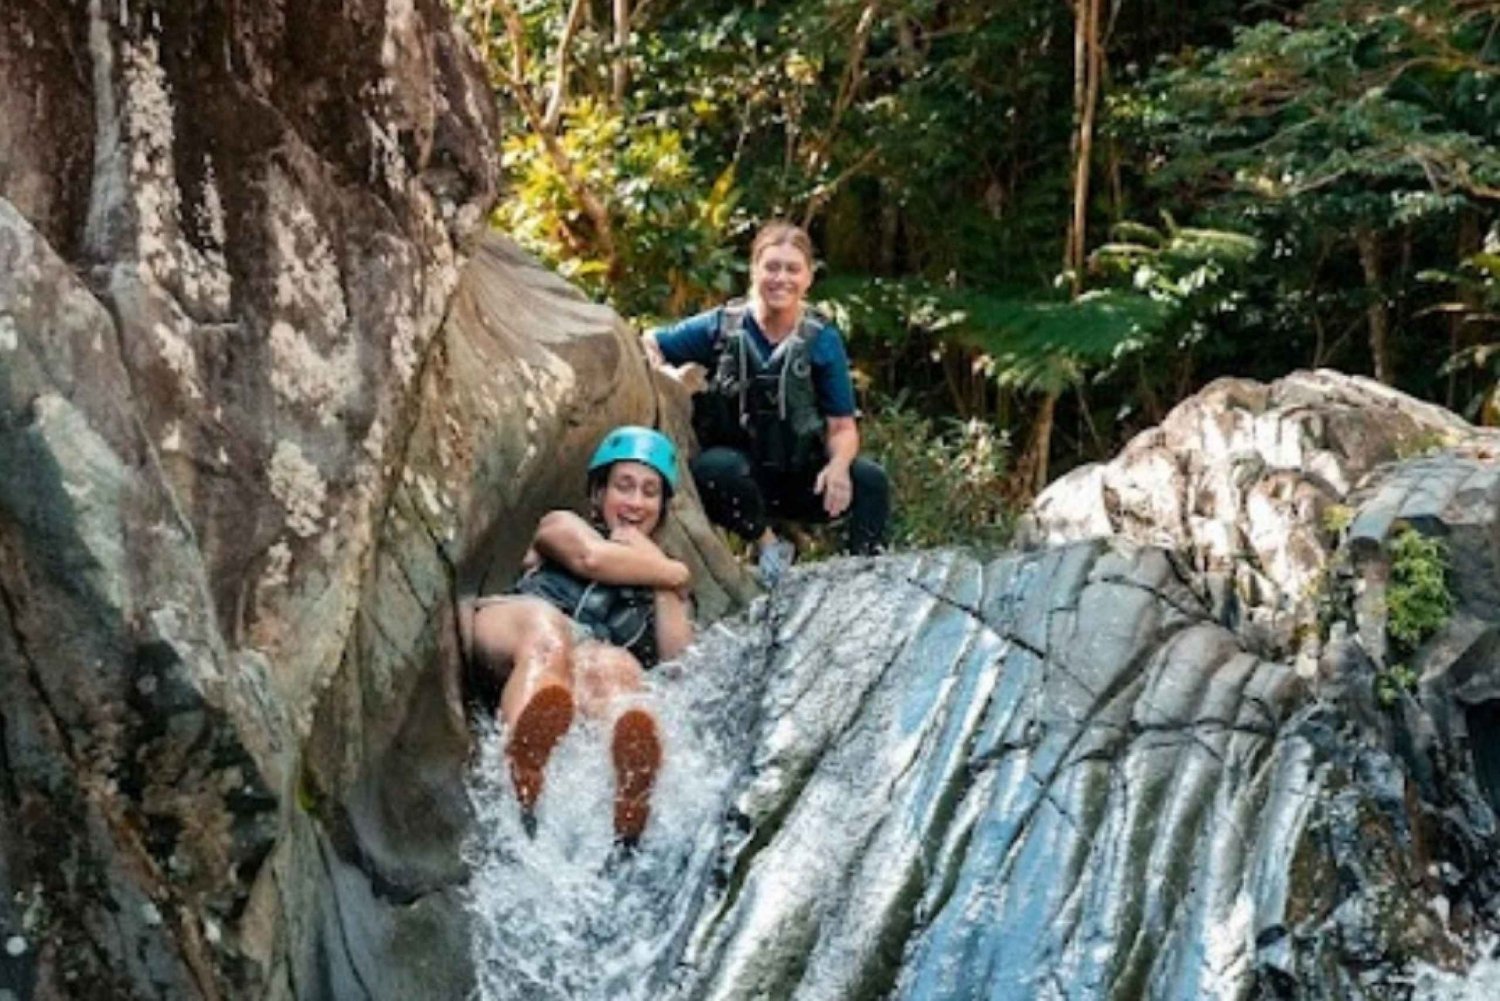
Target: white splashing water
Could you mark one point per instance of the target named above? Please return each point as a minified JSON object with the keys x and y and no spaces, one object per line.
{"x":1481,"y":982}
{"x":561,"y":915}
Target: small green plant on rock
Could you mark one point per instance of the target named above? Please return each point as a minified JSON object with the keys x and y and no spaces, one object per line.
{"x":1392,"y":681}
{"x":1418,"y":604}
{"x":1329,"y":595}
{"x":1337,"y":518}
{"x":1420,"y":443}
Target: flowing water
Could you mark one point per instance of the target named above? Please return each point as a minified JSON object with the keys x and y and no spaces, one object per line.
{"x":562,"y":915}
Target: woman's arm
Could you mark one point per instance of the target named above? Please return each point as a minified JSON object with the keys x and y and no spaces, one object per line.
{"x":653,"y":349}
{"x":565,"y":537}
{"x":690,"y":340}
{"x":674,"y":622}
{"x":833,"y":480}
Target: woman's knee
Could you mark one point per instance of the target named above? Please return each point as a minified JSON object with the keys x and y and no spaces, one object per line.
{"x":523,"y":631}
{"x":869,"y":477}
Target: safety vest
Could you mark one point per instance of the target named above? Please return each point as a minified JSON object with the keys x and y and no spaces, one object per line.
{"x":613,"y":613}
{"x":766,"y":406}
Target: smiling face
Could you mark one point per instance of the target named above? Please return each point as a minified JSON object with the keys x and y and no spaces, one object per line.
{"x":780,"y":276}
{"x":633,"y":495}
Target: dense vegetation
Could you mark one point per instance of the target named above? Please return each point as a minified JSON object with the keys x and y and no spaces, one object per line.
{"x":1051,"y":218}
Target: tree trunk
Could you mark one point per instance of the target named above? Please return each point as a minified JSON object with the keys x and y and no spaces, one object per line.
{"x":1080,"y":88}
{"x":1088,"y":67}
{"x":1376,"y":314}
{"x":890,"y":230}
{"x":1033,"y":465}
{"x":956,"y":375}
{"x":1470,"y":242}
{"x":621,"y":70}
{"x":1088,"y":71}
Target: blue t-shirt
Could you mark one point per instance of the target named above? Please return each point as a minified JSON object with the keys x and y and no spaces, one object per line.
{"x":695,"y":340}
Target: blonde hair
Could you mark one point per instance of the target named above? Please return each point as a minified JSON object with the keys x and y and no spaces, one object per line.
{"x":778,"y":232}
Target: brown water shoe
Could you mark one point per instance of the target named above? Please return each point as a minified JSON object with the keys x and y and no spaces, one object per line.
{"x":636,"y":749}
{"x":538,"y":729}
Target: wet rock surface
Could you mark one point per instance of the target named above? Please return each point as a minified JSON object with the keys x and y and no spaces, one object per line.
{"x":268,"y":404}
{"x":1054,"y":774}
{"x":1103,"y":768}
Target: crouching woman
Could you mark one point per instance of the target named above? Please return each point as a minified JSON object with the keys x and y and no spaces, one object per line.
{"x":599,"y":605}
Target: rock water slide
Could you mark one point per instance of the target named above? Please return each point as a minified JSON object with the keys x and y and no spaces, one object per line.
{"x":1133,"y":765}
{"x":268,"y":404}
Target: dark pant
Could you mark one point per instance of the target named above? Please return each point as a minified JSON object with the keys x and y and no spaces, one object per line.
{"x":742,"y":498}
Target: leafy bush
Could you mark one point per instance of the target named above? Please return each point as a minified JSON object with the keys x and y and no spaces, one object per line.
{"x":947,"y":477}
{"x":1417,"y":605}
{"x":1417,"y":599}
{"x":672,"y":226}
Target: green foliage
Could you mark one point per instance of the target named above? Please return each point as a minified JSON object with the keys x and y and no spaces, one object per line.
{"x":928,"y":147}
{"x":1422,"y":443}
{"x":1331,"y":135}
{"x":671,"y":230}
{"x":1357,"y":112}
{"x":885,"y":310}
{"x":1393,"y":682}
{"x":1337,"y":518}
{"x":1418,"y":604}
{"x":1417,"y":599}
{"x":1474,"y":301}
{"x":1163,"y":288}
{"x":948,"y":478}
{"x":1045,"y":345}
{"x":848,"y":110}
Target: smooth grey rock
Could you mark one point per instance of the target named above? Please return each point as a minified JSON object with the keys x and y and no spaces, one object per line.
{"x":1240,"y":478}
{"x":261,"y":423}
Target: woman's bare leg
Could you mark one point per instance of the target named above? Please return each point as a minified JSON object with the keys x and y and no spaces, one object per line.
{"x":607,"y":677}
{"x":536,"y":704}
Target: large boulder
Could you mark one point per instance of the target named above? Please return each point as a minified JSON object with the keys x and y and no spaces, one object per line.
{"x":1250,"y":483}
{"x":267,"y":406}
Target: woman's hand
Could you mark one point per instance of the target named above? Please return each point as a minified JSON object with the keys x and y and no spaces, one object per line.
{"x":835,"y":487}
{"x":629,"y":535}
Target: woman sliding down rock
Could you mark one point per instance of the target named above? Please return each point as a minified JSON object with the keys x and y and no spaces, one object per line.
{"x":599,"y":604}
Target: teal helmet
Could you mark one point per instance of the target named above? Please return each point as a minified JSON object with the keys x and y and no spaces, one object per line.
{"x":637,"y":444}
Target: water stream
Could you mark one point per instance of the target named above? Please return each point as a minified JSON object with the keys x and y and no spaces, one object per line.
{"x":563,"y":915}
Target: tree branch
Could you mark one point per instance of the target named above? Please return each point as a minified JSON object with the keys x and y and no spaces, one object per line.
{"x":516,"y":31}
{"x":516,"y":83}
{"x":825,"y":191}
{"x":818,"y":155}
{"x":620,"y":71}
{"x":560,"y":68}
